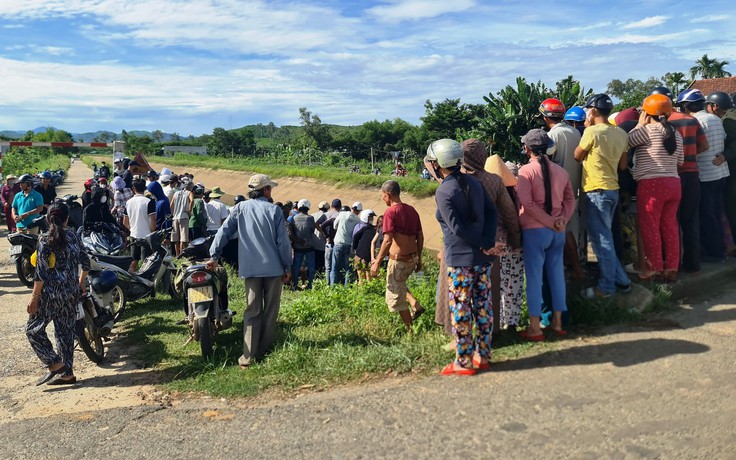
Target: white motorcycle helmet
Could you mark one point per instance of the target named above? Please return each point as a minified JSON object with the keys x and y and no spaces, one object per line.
{"x":446,"y":152}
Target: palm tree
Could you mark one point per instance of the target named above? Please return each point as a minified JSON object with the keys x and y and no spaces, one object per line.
{"x":675,"y":81}
{"x":709,"y":68}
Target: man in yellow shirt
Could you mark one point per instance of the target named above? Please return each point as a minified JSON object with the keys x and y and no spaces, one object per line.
{"x":602,"y":151}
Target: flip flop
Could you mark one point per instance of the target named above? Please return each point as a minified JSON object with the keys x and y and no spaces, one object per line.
{"x":417,"y":313}
{"x":450,"y":369}
{"x":481,"y":366}
{"x":63,"y":381}
{"x":560,"y":332}
{"x":531,"y":338}
{"x":50,"y":375}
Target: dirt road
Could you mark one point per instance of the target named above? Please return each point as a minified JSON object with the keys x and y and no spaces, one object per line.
{"x":120,"y":383}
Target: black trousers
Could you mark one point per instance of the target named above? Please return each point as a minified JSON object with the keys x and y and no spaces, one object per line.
{"x":711,"y":210}
{"x":688,"y":215}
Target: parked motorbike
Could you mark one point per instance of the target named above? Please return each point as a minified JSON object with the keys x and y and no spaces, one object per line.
{"x":23,"y":245}
{"x":75,"y":210}
{"x":103,"y":238}
{"x":102,"y":306}
{"x":155,"y":275}
{"x":206,"y":298}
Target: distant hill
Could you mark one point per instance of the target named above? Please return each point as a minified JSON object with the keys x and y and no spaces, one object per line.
{"x":85,"y":137}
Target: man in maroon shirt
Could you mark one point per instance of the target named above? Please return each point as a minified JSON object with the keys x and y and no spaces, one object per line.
{"x":403,"y":242}
{"x":693,"y":142}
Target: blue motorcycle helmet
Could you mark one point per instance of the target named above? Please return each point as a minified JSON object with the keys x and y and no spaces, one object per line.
{"x":690,"y":95}
{"x":104,"y":282}
{"x":45,"y":175}
{"x":575,"y":114}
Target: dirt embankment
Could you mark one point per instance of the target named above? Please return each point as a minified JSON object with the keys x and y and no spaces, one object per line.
{"x":236,"y":183}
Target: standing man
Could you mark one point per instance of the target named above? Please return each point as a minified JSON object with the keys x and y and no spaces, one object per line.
{"x":713,"y":173}
{"x":602,"y":151}
{"x":181,"y":208}
{"x":265,"y":262}
{"x":127,"y":175}
{"x":566,"y":138}
{"x":47,"y":191}
{"x":216,"y":210}
{"x":328,"y":228}
{"x":118,"y":167}
{"x":344,"y":225}
{"x":140,"y":218}
{"x":319,"y":238}
{"x":27,"y":205}
{"x":720,"y":104}
{"x":104,"y":171}
{"x":694,"y":143}
{"x":7,"y":193}
{"x":403,"y":242}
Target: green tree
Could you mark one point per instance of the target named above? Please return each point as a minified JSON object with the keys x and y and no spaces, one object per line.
{"x":631,"y":92}
{"x":675,"y":81}
{"x":445,"y":119}
{"x":571,"y":93}
{"x":317,"y":135}
{"x":709,"y":68}
{"x":157,"y":136}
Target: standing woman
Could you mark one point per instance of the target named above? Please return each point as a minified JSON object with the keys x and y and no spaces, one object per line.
{"x":547,"y":203}
{"x":56,"y":291}
{"x":467,"y":217}
{"x":659,"y":150}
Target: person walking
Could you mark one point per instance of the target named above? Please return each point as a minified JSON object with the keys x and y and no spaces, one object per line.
{"x":658,"y":152}
{"x":547,"y":203}
{"x":468,"y":219}
{"x":265,"y":261}
{"x":601,"y":151}
{"x":27,"y":205}
{"x":7,"y":193}
{"x":57,"y":287}
{"x":403,"y":242}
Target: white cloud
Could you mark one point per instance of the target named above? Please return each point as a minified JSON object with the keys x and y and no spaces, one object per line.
{"x":711,"y":18}
{"x":651,"y":21}
{"x":410,"y":10}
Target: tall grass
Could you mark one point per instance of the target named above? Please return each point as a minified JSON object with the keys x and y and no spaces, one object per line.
{"x":32,"y":161}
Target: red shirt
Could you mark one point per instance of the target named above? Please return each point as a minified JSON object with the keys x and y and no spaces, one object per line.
{"x":692,"y":133}
{"x":401,"y":218}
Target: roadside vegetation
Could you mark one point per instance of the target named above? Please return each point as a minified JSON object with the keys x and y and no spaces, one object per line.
{"x":31,"y":161}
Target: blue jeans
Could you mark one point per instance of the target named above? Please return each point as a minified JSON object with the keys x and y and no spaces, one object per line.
{"x":600,"y":207}
{"x":296,"y":268}
{"x":340,"y":263}
{"x":543,"y":249}
{"x":328,"y":263}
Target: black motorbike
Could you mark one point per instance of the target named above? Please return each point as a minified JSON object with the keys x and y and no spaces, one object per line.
{"x":205,"y":294}
{"x":75,"y":210}
{"x":155,"y":275}
{"x":101,"y":307}
{"x":23,"y":245}
{"x":103,"y":238}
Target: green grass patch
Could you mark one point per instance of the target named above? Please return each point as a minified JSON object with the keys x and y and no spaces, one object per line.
{"x":334,"y":175}
{"x":20,"y":161}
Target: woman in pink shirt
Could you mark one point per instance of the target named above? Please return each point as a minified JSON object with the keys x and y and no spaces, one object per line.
{"x":547,"y":203}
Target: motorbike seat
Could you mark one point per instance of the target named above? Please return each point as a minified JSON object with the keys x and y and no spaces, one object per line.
{"x":119,"y":261}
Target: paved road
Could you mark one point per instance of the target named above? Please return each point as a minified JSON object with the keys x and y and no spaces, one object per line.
{"x":658,"y":390}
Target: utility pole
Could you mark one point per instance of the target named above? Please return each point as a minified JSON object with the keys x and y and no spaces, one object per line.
{"x":373,"y":168}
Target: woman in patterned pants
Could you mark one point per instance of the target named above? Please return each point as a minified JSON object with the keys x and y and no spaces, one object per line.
{"x":56,"y":292}
{"x":469,"y":233}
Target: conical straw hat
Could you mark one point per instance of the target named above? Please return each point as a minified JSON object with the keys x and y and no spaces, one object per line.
{"x":495,"y":165}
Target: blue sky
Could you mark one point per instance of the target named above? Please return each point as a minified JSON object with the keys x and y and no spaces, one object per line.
{"x":190,"y":66}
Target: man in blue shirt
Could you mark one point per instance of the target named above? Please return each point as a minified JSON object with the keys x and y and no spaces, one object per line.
{"x":264,"y":261}
{"x":27,"y":205}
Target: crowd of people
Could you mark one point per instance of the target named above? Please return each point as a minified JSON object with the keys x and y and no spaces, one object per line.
{"x":648,"y":187}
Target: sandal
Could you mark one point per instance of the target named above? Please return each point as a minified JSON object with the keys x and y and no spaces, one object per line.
{"x":531,"y":338}
{"x":450,"y":369}
{"x":50,"y":374}
{"x":481,"y":366}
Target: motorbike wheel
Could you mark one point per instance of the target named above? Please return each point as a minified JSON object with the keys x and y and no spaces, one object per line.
{"x":175,"y":289}
{"x":90,"y":343}
{"x":25,"y":270}
{"x":118,"y":303}
{"x":205,"y":337}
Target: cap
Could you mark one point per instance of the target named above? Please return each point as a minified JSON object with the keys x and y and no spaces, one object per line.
{"x":336,"y":203}
{"x":259,"y":181}
{"x":102,"y":180}
{"x":366,"y":214}
{"x":323,"y":205}
{"x":303,"y":203}
{"x":152,"y":173}
{"x":165,"y":178}
{"x":13,"y":177}
{"x":358,"y":206}
{"x":118,"y":160}
{"x":216,"y":192}
{"x":345,"y":209}
{"x":173,"y":178}
{"x":535,"y":138}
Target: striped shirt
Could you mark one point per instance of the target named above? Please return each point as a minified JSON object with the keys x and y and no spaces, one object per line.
{"x":713,"y":128}
{"x":651,"y":158}
{"x":692,"y":134}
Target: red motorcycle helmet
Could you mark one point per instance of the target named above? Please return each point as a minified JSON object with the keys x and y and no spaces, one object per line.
{"x":88,"y":184}
{"x":552,"y":108}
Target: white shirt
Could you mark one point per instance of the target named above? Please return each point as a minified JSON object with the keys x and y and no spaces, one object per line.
{"x":713,"y":128}
{"x":216,"y":213}
{"x":139,"y":210}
